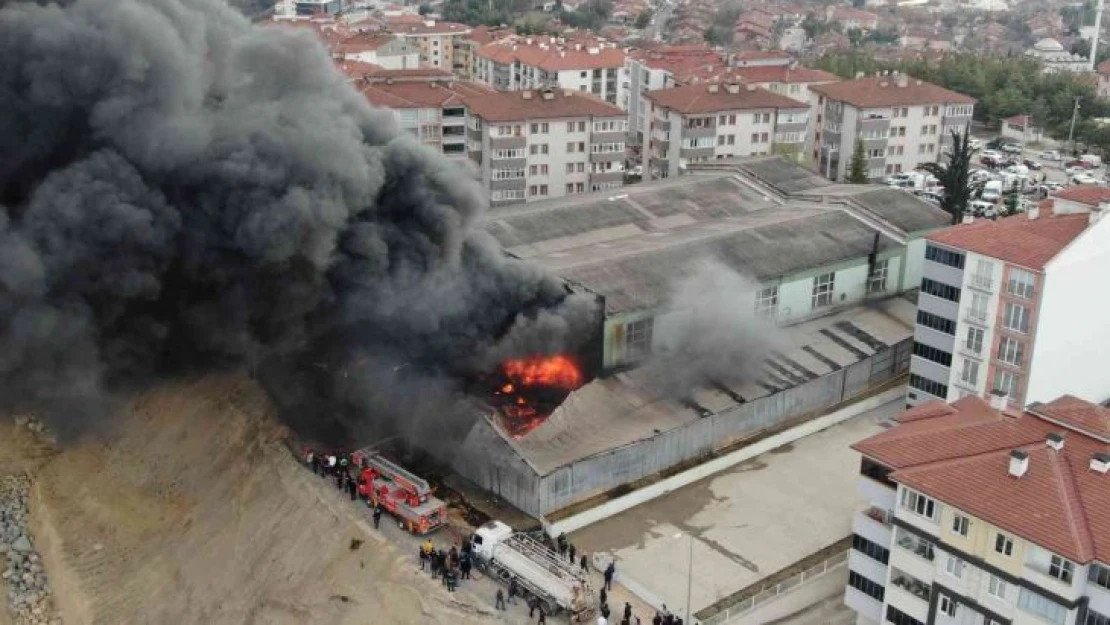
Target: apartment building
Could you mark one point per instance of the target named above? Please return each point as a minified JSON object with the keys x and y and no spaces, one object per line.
{"x":702,"y":122}
{"x":1014,"y":306}
{"x":538,"y":144}
{"x":981,"y":515}
{"x":381,"y":49}
{"x":522,"y":63}
{"x":439,"y":42}
{"x":791,"y":80}
{"x":660,"y":67}
{"x":428,"y":103}
{"x":901,"y":121}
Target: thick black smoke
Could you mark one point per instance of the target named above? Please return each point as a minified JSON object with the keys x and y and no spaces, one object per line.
{"x":181,"y":191}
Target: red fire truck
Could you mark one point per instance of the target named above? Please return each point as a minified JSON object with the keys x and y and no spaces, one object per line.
{"x":399,"y":491}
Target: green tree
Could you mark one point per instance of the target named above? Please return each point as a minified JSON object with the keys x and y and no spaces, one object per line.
{"x":1013,"y":201}
{"x":857,"y":167}
{"x":425,"y":9}
{"x":643,"y":20}
{"x":954,"y":175}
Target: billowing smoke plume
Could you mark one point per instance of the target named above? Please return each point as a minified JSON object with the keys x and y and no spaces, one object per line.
{"x":181,"y":191}
{"x":710,"y":333}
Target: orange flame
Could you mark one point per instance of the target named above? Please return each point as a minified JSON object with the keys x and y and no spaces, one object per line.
{"x":558,"y":371}
{"x":508,"y":388}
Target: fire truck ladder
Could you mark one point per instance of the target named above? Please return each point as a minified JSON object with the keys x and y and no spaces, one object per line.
{"x":399,"y":474}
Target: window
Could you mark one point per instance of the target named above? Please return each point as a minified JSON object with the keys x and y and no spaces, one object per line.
{"x":936,"y":322}
{"x":823,"y":286}
{"x":1003,"y":544}
{"x":1047,"y":609}
{"x":954,"y":567}
{"x":919,"y":504}
{"x":720,"y":139}
{"x":604,"y":148}
{"x":948,"y":606}
{"x":570,"y":188}
{"x":960,"y":524}
{"x":507,"y":174}
{"x":537,"y":148}
{"x":969,"y":374}
{"x":974,"y":340}
{"x":502,"y":196}
{"x":570,"y":147}
{"x":581,"y":167}
{"x":876,"y":283}
{"x":918,"y":546}
{"x":944,"y":257}
{"x":1095,"y":618}
{"x":1006,"y":382}
{"x":637,"y":342}
{"x":872,"y":550}
{"x":876,"y":471}
{"x":732,"y":139}
{"x":1016,"y":318}
{"x":1020,"y":283}
{"x":514,"y":153}
{"x":1061,"y":568}
{"x":866,"y":586}
{"x":581,"y":126}
{"x":1011,"y":351}
{"x":898,"y":617}
{"x":755,"y":137}
{"x":929,"y":386}
{"x":977,"y":312}
{"x":1099,"y":574}
{"x":933,"y":354}
{"x":767,"y":301}
{"x":997,"y":587}
{"x":570,"y":126}
{"x":570,"y":168}
{"x":939,"y":289}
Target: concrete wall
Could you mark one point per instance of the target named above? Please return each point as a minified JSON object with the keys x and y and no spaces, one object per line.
{"x":488,"y":461}
{"x":1073,"y":334}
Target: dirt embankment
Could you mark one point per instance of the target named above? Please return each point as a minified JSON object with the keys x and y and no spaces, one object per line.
{"x":192,"y":511}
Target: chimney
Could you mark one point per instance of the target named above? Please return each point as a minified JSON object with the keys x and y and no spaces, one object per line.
{"x":999,"y":400}
{"x":527,"y":95}
{"x":593,"y":50}
{"x":429,"y":23}
{"x":548,"y":94}
{"x":1100,"y":462}
{"x":733,"y":88}
{"x":1055,"y":441}
{"x":1019,"y":463}
{"x":713,"y":88}
{"x":969,"y":219}
{"x":1033,"y":212}
{"x":903,"y":80}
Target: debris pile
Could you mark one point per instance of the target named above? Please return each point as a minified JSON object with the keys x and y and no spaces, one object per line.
{"x":28,"y":588}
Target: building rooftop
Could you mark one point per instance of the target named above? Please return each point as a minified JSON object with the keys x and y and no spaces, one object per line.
{"x":548,"y":54}
{"x":1090,"y":194}
{"x":409,"y":94}
{"x":627,"y":407}
{"x":900,"y":90}
{"x":507,"y":106}
{"x":633,"y":245}
{"x":782,"y":74}
{"x":712,"y":98}
{"x":426,"y":27}
{"x":960,"y":453}
{"x":1018,"y":239}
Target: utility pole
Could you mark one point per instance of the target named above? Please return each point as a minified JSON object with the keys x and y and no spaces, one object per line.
{"x":1071,"y":130}
{"x":689,"y":579}
{"x":1094,"y":38}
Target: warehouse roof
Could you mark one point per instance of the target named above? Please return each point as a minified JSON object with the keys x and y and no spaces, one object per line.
{"x":632,"y":246}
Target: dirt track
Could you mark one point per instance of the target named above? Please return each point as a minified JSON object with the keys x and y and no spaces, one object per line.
{"x":194,"y":512}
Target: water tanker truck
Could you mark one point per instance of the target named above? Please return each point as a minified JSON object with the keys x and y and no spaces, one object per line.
{"x":539,"y":572}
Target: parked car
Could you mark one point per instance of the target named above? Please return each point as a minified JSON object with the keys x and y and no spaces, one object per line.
{"x":974,"y":143}
{"x":1013,"y":148}
{"x":1050,"y":155}
{"x":979,"y":208}
{"x":1093,"y":161}
{"x":992,"y":191}
{"x":1032,"y":164}
{"x":1083,"y":179}
{"x":995,"y":154}
{"x":1079,"y":163}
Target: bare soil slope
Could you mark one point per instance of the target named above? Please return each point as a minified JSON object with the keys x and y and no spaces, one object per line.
{"x":194,"y":512}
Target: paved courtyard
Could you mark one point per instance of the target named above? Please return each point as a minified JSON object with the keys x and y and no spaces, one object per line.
{"x":743,"y":524}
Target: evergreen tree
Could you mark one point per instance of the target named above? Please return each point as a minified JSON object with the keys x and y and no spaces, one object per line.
{"x":857,"y":168}
{"x":954,"y":175}
{"x":1013,"y":202}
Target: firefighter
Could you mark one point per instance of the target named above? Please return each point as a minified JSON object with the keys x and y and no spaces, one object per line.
{"x":377,"y":516}
{"x":310,"y":459}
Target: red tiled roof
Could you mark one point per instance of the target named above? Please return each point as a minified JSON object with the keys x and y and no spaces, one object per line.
{"x":1020,"y":120}
{"x":878,"y":91}
{"x":553,"y":57}
{"x":841,"y":13}
{"x":1089,"y":194}
{"x":1103,"y":68}
{"x":356,"y":69}
{"x":365,"y":42}
{"x":782,"y":74}
{"x":760,"y":55}
{"x":1019,"y":240}
{"x":505,"y":106}
{"x":699,"y":98}
{"x":413,"y":94}
{"x":961,"y":457}
{"x":430,"y":27}
{"x":1076,"y":413}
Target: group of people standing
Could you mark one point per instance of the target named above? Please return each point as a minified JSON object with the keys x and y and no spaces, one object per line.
{"x":451,"y":565}
{"x":338,"y":467}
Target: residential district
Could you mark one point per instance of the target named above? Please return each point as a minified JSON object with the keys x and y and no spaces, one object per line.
{"x":911,"y":194}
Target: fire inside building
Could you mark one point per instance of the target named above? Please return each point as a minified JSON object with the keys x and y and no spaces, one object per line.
{"x":829,"y":268}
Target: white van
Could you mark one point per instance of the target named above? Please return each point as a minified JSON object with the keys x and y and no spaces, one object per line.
{"x":992,"y":191}
{"x":1091,"y":160}
{"x":979,"y":208}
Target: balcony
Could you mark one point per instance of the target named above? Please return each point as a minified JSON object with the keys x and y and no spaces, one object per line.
{"x":910,"y":585}
{"x":873,"y":524}
{"x":976,"y":316}
{"x":982,"y":283}
{"x":920,"y":548}
{"x":863,"y":604}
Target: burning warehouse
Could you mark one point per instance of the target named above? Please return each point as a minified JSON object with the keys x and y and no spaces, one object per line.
{"x":734,"y":299}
